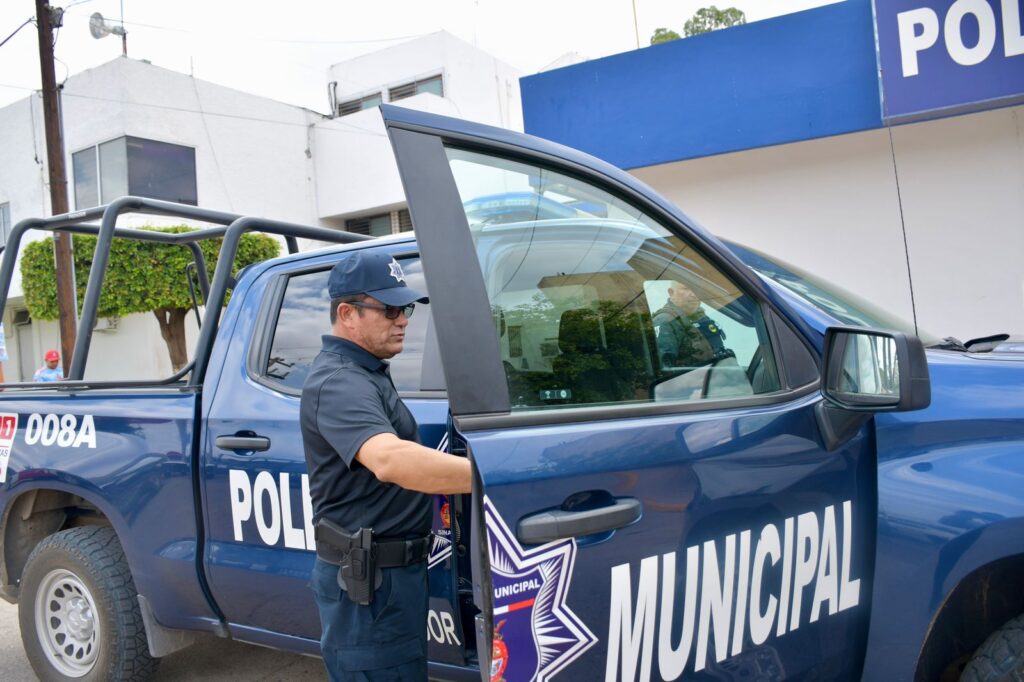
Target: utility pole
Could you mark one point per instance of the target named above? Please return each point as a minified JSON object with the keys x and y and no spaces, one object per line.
{"x":47,"y":18}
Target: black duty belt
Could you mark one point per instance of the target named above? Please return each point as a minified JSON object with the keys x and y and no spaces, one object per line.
{"x":387,"y":553}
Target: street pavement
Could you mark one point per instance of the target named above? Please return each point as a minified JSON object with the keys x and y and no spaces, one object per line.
{"x":209,"y":659}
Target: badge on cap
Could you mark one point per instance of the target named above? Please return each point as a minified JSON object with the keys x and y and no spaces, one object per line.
{"x":396,"y":271}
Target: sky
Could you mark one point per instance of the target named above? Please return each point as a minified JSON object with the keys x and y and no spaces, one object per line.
{"x":283,"y":50}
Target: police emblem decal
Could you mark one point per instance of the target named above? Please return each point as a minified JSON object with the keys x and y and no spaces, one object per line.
{"x":441,"y":549}
{"x":396,"y":271}
{"x":540,"y":634}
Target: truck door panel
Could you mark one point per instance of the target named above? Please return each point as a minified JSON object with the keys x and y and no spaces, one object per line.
{"x":752,"y":551}
{"x":260,"y":547}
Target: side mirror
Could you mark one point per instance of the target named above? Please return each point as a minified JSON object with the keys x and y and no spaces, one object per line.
{"x":870,"y":370}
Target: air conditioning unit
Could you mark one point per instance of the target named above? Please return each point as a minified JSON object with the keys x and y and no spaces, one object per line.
{"x":106,"y":324}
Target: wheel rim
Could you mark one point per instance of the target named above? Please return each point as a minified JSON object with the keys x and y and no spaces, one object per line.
{"x":67,"y":623}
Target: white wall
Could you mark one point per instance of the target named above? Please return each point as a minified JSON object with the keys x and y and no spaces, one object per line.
{"x":251,"y":152}
{"x":962,"y":185}
{"x":23,"y":181}
{"x":131,"y":352}
{"x":356,"y":173}
{"x":832,"y":206}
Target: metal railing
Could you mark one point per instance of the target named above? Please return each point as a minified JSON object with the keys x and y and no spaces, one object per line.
{"x":231,"y":228}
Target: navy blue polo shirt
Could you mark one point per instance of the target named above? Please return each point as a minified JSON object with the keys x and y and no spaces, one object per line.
{"x":348,"y":398}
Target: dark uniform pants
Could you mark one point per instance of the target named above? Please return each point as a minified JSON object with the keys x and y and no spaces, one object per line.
{"x":386,"y":640}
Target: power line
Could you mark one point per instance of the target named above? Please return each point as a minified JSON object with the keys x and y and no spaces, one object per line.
{"x":27,"y":22}
{"x":255,"y":119}
{"x":186,"y":110}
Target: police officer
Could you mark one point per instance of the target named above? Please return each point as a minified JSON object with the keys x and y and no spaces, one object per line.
{"x":686,"y":335}
{"x":370,"y":480}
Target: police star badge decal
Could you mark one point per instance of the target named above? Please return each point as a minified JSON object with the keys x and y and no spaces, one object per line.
{"x":396,"y":271}
{"x":536,"y":634}
{"x":441,"y":548}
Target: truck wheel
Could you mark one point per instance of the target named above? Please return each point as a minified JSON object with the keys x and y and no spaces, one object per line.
{"x":1001,"y":657}
{"x":79,"y":611}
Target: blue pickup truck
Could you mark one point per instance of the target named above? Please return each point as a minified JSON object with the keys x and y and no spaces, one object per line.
{"x":828,"y":495}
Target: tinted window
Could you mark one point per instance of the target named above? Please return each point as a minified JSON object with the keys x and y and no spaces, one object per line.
{"x":113,"y":170}
{"x":305,"y":316}
{"x":161,"y":171}
{"x":596,"y":303}
{"x":87,"y":193}
{"x":5,"y":222}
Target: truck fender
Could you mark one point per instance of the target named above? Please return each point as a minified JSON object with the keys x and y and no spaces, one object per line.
{"x":34,"y":511}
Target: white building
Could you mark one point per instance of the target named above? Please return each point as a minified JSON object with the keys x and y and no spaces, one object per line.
{"x":133,"y":128}
{"x":437,"y":73}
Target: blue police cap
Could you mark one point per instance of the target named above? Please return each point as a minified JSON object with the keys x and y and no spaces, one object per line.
{"x":375,"y":274}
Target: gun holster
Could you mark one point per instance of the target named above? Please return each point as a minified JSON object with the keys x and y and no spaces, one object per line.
{"x":354,"y":554}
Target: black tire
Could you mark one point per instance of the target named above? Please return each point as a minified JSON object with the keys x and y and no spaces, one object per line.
{"x":79,"y":611}
{"x":1001,"y":657}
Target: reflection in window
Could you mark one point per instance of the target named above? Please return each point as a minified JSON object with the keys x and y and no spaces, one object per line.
{"x":869,"y":366}
{"x":113,"y":170}
{"x":87,"y":191}
{"x":136,"y":166}
{"x":305,"y":316}
{"x":596,"y":303}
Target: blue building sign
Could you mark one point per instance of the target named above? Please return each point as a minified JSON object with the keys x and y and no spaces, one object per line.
{"x":801,"y":76}
{"x":939,"y":57}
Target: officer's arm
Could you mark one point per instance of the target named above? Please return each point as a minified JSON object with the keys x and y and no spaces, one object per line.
{"x":414,"y":467}
{"x":667,"y":343}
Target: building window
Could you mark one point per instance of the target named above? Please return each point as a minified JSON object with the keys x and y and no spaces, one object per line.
{"x":404,"y":220}
{"x":374,"y":225}
{"x":354,"y":105}
{"x":86,"y":182}
{"x":135,"y":166}
{"x":5,"y":222}
{"x":432,"y":85}
{"x":382,"y":224}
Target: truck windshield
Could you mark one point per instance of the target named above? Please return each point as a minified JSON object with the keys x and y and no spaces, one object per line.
{"x":834,"y":300}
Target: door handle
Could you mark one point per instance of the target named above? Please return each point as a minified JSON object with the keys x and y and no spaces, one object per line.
{"x":558,"y":524}
{"x":243,"y":442}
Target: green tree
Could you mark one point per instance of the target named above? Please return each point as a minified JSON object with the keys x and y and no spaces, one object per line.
{"x":663,"y":35}
{"x":141,"y":277}
{"x":708,"y":19}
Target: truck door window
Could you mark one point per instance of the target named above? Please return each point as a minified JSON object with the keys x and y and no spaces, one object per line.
{"x":597,"y":303}
{"x":304,"y":316}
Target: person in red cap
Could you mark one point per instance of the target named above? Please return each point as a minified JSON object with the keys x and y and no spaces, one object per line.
{"x":49,"y":371}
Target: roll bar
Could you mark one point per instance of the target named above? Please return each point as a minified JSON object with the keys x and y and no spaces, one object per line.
{"x":230,"y":226}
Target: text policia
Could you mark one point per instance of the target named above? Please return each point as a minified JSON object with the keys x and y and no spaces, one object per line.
{"x":728,"y":601}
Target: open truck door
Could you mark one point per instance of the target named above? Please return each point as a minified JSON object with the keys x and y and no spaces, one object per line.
{"x":639,"y":511}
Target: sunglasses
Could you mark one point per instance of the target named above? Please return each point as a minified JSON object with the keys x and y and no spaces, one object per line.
{"x":391,"y":312}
